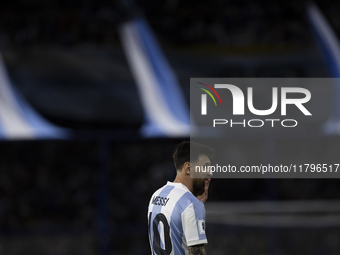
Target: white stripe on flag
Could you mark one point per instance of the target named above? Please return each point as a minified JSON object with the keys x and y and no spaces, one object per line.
{"x":330,"y":47}
{"x":151,"y":96}
{"x":325,"y":31}
{"x":12,"y":122}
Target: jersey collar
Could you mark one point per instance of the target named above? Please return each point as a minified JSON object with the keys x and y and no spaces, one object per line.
{"x":180,"y":185}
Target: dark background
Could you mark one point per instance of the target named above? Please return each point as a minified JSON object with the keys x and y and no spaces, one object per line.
{"x":89,"y":194}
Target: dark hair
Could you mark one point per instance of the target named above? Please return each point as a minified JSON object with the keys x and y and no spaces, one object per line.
{"x":182,"y":153}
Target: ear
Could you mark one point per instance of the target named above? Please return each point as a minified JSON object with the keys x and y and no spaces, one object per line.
{"x":186,"y":168}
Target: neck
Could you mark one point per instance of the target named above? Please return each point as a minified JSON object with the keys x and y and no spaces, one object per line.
{"x":185,"y":181}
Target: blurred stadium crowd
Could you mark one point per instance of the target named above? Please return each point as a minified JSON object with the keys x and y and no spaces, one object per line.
{"x":55,"y":196}
{"x":227,"y":23}
{"x":57,"y":189}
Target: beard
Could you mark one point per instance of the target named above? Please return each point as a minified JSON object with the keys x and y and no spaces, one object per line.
{"x":198,"y":186}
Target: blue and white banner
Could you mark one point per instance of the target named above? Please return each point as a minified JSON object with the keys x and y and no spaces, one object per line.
{"x":330,"y":47}
{"x":18,"y":120}
{"x":166,"y":112}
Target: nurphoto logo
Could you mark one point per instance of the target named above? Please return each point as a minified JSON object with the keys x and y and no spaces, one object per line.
{"x":238,"y":99}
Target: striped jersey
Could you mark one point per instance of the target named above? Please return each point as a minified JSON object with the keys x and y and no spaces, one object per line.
{"x":176,"y":220}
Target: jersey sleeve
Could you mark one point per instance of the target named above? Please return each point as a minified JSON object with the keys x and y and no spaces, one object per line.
{"x":193,"y":223}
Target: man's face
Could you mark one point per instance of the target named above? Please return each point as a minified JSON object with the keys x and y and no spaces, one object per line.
{"x":203,"y":178}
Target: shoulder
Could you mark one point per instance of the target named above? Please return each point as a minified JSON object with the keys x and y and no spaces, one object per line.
{"x":163,"y":192}
{"x":179,"y":196}
{"x":188,"y":200}
{"x":157,"y":192}
{"x":195,"y":205}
